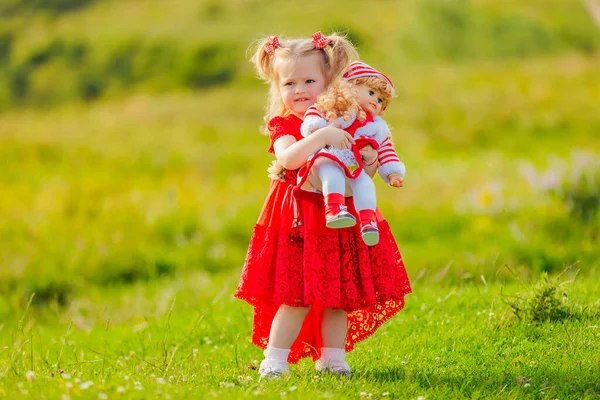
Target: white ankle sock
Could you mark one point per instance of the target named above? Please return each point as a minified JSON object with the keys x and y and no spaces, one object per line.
{"x":273,"y":353}
{"x":332,"y":353}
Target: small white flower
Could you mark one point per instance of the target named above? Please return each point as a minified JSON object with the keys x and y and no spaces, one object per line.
{"x":160,"y":381}
{"x":66,"y":376}
{"x":293,"y":388}
{"x":102,"y":396}
{"x":85,"y":385}
{"x":121,"y":390}
{"x":30,"y":376}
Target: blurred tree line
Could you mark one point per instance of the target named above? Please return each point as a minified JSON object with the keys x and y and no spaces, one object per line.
{"x":65,"y":69}
{"x":14,"y":7}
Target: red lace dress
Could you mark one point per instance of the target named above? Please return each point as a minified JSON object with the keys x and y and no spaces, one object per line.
{"x":294,"y":259}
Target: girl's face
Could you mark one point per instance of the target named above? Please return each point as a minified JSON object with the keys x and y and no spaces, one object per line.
{"x":371,"y":100}
{"x":300,"y":82}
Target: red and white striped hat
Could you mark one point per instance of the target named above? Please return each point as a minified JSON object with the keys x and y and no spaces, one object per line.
{"x":359,"y":70}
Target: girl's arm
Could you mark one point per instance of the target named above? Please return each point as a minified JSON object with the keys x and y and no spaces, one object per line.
{"x":370,"y":160}
{"x":292,"y":154}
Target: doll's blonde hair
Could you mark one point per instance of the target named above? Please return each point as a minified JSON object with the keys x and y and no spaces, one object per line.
{"x":336,"y":56}
{"x":377,"y":83}
{"x":340,"y":100}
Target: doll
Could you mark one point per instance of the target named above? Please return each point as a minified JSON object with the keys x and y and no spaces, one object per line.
{"x":354,"y":104}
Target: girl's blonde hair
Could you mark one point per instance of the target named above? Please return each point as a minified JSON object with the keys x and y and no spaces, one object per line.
{"x":380,"y":84}
{"x":336,"y":56}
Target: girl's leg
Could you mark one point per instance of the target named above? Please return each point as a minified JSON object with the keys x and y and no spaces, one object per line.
{"x":334,"y":330}
{"x":335,"y":327}
{"x":334,"y":185}
{"x":284,"y":330}
{"x":286,"y":326}
{"x":365,"y":202}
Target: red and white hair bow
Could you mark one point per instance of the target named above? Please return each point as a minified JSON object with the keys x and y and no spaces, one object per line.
{"x":320,"y":40}
{"x":271,"y":44}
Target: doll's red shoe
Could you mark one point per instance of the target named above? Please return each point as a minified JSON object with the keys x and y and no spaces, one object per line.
{"x":370,"y":233}
{"x":368,"y":227}
{"x":337,"y":215}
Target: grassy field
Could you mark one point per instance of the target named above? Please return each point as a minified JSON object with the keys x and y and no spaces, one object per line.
{"x":124,"y":222}
{"x":189,"y":339}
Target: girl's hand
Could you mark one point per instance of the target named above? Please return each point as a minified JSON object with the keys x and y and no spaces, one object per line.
{"x":332,"y":135}
{"x":395,"y":180}
{"x":369,"y":154}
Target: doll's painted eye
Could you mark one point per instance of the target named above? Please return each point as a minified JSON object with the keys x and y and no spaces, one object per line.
{"x":371,"y":93}
{"x":380,"y":101}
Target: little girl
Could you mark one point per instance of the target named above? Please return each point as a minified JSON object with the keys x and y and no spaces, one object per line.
{"x":315,"y":291}
{"x":356,"y":107}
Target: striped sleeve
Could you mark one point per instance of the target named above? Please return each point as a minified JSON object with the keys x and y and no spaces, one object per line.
{"x":386,"y":152}
{"x":312,"y":111}
{"x":389,"y":162}
{"x":313,"y":120}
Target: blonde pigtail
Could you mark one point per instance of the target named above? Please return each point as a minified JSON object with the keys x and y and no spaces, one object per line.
{"x":262,"y":60}
{"x":342,"y":53}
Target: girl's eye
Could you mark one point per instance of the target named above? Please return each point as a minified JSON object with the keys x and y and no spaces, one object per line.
{"x":371,"y":93}
{"x":288,"y":84}
{"x":310,"y":81}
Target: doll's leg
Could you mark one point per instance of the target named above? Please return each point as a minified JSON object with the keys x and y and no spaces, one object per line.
{"x":334,"y":186}
{"x":365,"y":202}
{"x":284,"y":330}
{"x":331,"y":175}
{"x":333,"y":355}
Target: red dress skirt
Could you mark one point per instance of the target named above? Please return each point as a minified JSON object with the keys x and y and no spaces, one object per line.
{"x":294,"y":259}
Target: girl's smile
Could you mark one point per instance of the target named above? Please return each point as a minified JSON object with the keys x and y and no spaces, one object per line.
{"x":301,"y":81}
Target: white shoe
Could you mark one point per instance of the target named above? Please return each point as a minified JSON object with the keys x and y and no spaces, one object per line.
{"x":273,"y":369}
{"x":337,"y":367}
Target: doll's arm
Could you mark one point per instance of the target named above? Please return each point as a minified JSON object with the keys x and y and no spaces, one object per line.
{"x":311,"y":123}
{"x":391,"y":168}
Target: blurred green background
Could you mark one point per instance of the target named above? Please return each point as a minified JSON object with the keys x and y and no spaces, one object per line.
{"x":130,"y":147}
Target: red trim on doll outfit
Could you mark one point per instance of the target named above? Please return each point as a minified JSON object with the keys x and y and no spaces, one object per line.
{"x":360,"y":142}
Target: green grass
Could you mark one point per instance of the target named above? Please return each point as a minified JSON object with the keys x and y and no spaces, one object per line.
{"x":189,"y":338}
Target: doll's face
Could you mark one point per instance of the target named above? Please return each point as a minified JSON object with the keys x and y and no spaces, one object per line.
{"x":371,"y":100}
{"x":300,"y":82}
